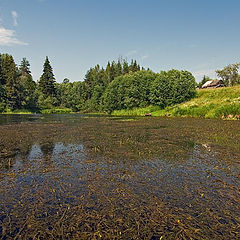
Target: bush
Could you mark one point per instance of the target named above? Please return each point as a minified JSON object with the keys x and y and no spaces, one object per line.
{"x":172,"y":87}
{"x":129,"y":91}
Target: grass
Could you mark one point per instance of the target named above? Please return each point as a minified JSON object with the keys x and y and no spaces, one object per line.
{"x":209,"y":103}
{"x":44,"y":111}
{"x":57,"y":111}
{"x":18,"y":111}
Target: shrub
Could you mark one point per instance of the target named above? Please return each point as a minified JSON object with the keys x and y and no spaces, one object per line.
{"x":129,"y":91}
{"x":172,"y":87}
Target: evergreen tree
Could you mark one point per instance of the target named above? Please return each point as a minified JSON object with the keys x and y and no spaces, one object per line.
{"x":47,"y":81}
{"x":125,"y":67}
{"x":11,"y":81}
{"x":108,"y":74}
{"x":28,"y":85}
{"x":24,"y":67}
{"x":112,"y":71}
{"x":134,"y":67}
{"x":118,"y":69}
{"x":89,"y":82}
{"x":1,"y":73}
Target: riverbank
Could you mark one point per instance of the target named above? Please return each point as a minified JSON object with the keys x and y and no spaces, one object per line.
{"x":43,"y":111}
{"x":208,"y":103}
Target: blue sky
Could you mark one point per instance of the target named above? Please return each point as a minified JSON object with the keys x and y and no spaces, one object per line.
{"x":199,"y":36}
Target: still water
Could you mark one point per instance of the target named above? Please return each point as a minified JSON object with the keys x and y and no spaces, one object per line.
{"x":94,"y":177}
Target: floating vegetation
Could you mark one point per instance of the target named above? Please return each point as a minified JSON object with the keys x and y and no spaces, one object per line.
{"x":70,"y":177}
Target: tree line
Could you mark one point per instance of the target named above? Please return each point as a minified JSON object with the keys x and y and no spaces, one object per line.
{"x":119,"y":85}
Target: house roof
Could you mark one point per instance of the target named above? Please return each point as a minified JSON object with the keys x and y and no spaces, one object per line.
{"x":207,"y":83}
{"x":212,"y":83}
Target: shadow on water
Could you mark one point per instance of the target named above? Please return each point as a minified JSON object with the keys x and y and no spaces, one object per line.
{"x":74,"y":177}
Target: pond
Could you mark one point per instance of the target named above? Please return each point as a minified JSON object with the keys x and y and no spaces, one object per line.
{"x":93,"y":177}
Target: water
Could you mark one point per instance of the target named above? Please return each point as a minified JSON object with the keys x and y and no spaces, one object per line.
{"x":94,"y":177}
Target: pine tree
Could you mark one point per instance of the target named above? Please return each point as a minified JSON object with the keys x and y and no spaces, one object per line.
{"x":47,"y":81}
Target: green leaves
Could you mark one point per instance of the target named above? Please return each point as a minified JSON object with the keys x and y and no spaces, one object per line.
{"x":172,"y":87}
{"x":129,"y":91}
{"x":229,"y":74}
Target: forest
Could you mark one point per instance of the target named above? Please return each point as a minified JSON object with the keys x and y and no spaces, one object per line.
{"x":120,"y":85}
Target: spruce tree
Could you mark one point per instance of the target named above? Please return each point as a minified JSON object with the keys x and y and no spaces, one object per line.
{"x":47,"y":81}
{"x":134,"y":67}
{"x":28,"y":85}
{"x":112,"y":71}
{"x":11,"y":81}
{"x":24,"y":67}
{"x":125,"y":67}
{"x":108,"y":74}
{"x":118,"y":69}
{"x":1,"y":74}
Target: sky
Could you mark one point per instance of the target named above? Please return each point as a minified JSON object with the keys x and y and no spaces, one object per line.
{"x":198,"y":36}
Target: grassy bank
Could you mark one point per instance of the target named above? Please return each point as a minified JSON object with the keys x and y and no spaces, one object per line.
{"x":43,"y":111}
{"x":57,"y":111}
{"x":209,"y":103}
{"x":18,"y":111}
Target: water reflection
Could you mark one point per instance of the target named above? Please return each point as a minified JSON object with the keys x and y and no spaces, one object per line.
{"x":116,"y":180}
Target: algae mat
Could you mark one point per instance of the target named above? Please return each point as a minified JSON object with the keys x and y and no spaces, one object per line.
{"x":84,"y":177}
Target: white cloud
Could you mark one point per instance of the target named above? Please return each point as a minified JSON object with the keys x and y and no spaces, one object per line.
{"x":144,"y":57}
{"x":15,"y":16}
{"x":8,"y":37}
{"x":131,"y":53}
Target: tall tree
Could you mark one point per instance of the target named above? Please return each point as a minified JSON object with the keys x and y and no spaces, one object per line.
{"x":1,"y":73}
{"x":11,"y":81}
{"x":24,"y":67}
{"x":47,"y":80}
{"x":229,"y":74}
{"x":27,"y":84}
{"x":134,"y":67}
{"x":125,"y":67}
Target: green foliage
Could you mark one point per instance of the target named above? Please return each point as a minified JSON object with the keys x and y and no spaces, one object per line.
{"x":229,"y":74}
{"x":129,"y":91}
{"x":28,"y":93}
{"x":11,"y":81}
{"x":3,"y":98}
{"x":47,"y":81}
{"x":72,"y":95}
{"x":44,"y":102}
{"x":1,"y":71}
{"x":172,"y":87}
{"x":119,"y":85}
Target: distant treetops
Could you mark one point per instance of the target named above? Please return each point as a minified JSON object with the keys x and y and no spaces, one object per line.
{"x":120,"y":85}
